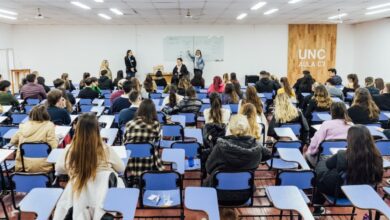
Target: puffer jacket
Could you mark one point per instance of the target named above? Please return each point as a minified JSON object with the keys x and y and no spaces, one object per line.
{"x":105,"y":83}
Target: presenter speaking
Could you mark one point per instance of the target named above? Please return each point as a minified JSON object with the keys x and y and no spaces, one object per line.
{"x":131,"y":64}
{"x":198,"y":62}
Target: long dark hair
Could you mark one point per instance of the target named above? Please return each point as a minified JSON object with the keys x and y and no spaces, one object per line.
{"x":251,"y":97}
{"x":172,"y":96}
{"x":365,"y":163}
{"x":119,"y":75}
{"x":363,"y":99}
{"x":338,"y":110}
{"x":307,"y":81}
{"x":355,"y":80}
{"x":147,"y":111}
{"x":148,"y":83}
{"x":216,"y":108}
{"x":379,"y":84}
{"x":127,"y":53}
{"x":231,"y":92}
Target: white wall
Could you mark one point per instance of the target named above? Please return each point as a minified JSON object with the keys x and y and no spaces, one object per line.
{"x":75,"y":49}
{"x":5,"y":36}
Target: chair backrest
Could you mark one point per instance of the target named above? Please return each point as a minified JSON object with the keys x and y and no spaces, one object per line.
{"x":86,"y":108}
{"x":25,"y":182}
{"x":201,"y":95}
{"x":162,"y":180}
{"x":204,"y":106}
{"x":191,"y":148}
{"x":28,"y":108}
{"x":155,"y":95}
{"x":327,"y":144}
{"x":32,"y":101}
{"x":268,"y":95}
{"x":105,"y":91}
{"x":35,"y":150}
{"x":18,"y":118}
{"x":85,"y":102}
{"x":160,"y":117}
{"x":251,"y":79}
{"x":374,"y":125}
{"x":303,"y":179}
{"x":234,"y":108}
{"x":107,"y":102}
{"x":383,"y":147}
{"x":295,"y":127}
{"x":172,"y":130}
{"x":288,"y":144}
{"x":140,"y":150}
{"x":190,"y":117}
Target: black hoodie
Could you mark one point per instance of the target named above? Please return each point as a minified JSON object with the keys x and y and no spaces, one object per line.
{"x":105,"y":83}
{"x":265,"y":85}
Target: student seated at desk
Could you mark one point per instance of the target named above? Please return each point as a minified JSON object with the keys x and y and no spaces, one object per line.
{"x":60,"y":84}
{"x":144,"y":128}
{"x":230,"y":95}
{"x":337,"y":128}
{"x":266,"y":84}
{"x":286,"y":112}
{"x":363,"y":109}
{"x":216,"y":114}
{"x":286,"y":88}
{"x":333,"y":91}
{"x":119,"y":90}
{"x":190,"y":103}
{"x":198,"y":81}
{"x":32,"y":90}
{"x":217,"y":85}
{"x":95,"y":85}
{"x":6,"y":98}
{"x":320,"y":102}
{"x":127,"y":114}
{"x":304,"y":84}
{"x":88,"y":92}
{"x":361,"y":163}
{"x":383,"y":100}
{"x":149,"y":86}
{"x":249,"y":110}
{"x":236,"y":84}
{"x":86,"y":75}
{"x":41,"y":81}
{"x":238,"y":151}
{"x":370,"y":85}
{"x":92,"y":167}
{"x":68,"y":83}
{"x":170,"y":103}
{"x":160,"y":80}
{"x":119,"y":77}
{"x":105,"y":83}
{"x":352,"y":85}
{"x":122,"y":102}
{"x":183,"y":85}
{"x":38,"y":128}
{"x":56,"y":108}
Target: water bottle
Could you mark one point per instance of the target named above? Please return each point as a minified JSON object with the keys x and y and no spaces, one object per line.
{"x":191,"y":162}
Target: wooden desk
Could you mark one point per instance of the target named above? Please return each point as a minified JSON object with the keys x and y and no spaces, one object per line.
{"x":167,"y":76}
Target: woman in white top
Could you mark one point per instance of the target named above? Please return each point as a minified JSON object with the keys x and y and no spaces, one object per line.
{"x":216,"y":114}
{"x":89,"y":163}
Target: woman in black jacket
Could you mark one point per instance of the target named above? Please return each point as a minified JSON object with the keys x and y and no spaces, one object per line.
{"x":361,"y":163}
{"x":160,"y":80}
{"x":105,"y":83}
{"x":304,"y":84}
{"x":320,"y":102}
{"x":131,"y":64}
{"x":363,"y":109}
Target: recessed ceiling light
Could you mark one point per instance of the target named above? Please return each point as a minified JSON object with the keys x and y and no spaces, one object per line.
{"x":100,"y":1}
{"x":258,"y":5}
{"x":7,"y":17}
{"x":271,"y":11}
{"x":242,"y":16}
{"x":378,"y":6}
{"x":81,"y":5}
{"x":8,"y":12}
{"x":293,"y":1}
{"x":105,"y":16}
{"x":337,"y":16}
{"x":116,"y":11}
{"x":378,"y":11}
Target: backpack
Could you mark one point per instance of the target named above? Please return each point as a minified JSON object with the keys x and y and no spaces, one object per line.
{"x":211,"y":132}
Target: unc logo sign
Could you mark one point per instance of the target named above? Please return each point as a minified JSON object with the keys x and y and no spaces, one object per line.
{"x":312,"y":58}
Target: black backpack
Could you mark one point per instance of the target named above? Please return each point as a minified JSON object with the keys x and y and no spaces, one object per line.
{"x":211,"y":132}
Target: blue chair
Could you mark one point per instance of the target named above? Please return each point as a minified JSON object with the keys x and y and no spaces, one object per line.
{"x":201,"y":95}
{"x":155,"y":95}
{"x":268,"y":95}
{"x":107,"y":102}
{"x":32,"y":101}
{"x":105,"y":91}
{"x":85,"y":108}
{"x":204,"y":106}
{"x":140,"y":150}
{"x":28,"y":108}
{"x":190,"y":118}
{"x":85,"y":102}
{"x":234,"y":108}
{"x":160,"y":87}
{"x":18,"y":118}
{"x":192,"y":151}
{"x":327,"y":144}
{"x":233,"y":182}
{"x":374,"y":125}
{"x":166,"y":186}
{"x":107,"y":95}
{"x":34,"y":150}
{"x":279,"y":164}
{"x":383,"y":147}
{"x":295,"y":127}
{"x":170,"y":134}
{"x":302,"y":179}
{"x":161,"y":117}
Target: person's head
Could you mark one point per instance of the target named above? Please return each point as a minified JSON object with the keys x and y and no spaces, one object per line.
{"x":126,"y":87}
{"x":147,"y":111}
{"x":321,"y":96}
{"x":353,"y":81}
{"x":198,"y":53}
{"x":148,"y":84}
{"x":119,"y":74}
{"x":231,"y":92}
{"x":179,"y":61}
{"x":379,"y":84}
{"x":285,"y":111}
{"x":233,"y":78}
{"x":39,"y":113}
{"x":306,"y":73}
{"x":364,"y":161}
{"x":363,"y":99}
{"x":264,"y":74}
{"x":85,"y":153}
{"x":65,"y":76}
{"x":330,"y":82}
{"x":217,"y":82}
{"x":135,"y":97}
{"x":228,"y":214}
{"x":129,"y":53}
{"x":120,"y":83}
{"x":159,"y":73}
{"x":88,"y":82}
{"x":251,"y":97}
{"x":239,"y":125}
{"x":332,"y":72}
{"x":59,"y":83}
{"x":184,"y":83}
{"x":215,"y":108}
{"x":104,"y":64}
{"x":369,"y":81}
{"x":86,"y":75}
{"x":4,"y":85}
{"x":41,"y":80}
{"x":135,"y":84}
{"x":338,"y":110}
{"x":286,"y":85}
{"x":55,"y":98}
{"x":387,"y":88}
{"x":190,"y":92}
{"x":249,"y":110}
{"x":95,"y":81}
{"x":103,"y":72}
{"x":172,"y":95}
{"x":31,"y":78}
{"x":226,"y":78}
{"x":314,"y":86}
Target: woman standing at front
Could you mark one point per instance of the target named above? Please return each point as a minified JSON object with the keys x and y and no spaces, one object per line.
{"x":131,"y":64}
{"x":106,"y":66}
{"x":198,"y":61}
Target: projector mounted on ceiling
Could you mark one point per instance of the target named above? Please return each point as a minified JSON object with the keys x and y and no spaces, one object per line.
{"x":39,"y":15}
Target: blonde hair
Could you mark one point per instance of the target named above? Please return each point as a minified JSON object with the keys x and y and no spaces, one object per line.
{"x":321,"y":96}
{"x":226,"y":78}
{"x":249,"y":110}
{"x":285,"y":111}
{"x":239,"y":125}
{"x":104,"y":65}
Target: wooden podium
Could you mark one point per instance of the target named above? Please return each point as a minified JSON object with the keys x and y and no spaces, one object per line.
{"x":16,"y":76}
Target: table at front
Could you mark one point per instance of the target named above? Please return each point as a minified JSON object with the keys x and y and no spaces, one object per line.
{"x":167,"y":77}
{"x":365,"y":197}
{"x":202,"y":199}
{"x":293,"y":155}
{"x":289,"y":198}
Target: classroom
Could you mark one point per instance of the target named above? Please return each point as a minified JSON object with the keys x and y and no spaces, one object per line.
{"x":195,"y":109}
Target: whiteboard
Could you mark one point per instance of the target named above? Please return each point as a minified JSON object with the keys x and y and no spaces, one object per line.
{"x":212,"y":47}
